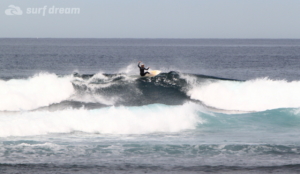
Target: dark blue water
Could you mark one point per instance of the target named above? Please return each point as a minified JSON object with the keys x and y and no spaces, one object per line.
{"x":229,"y":58}
{"x":218,"y":105}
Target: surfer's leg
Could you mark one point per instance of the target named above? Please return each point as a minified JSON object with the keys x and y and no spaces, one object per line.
{"x":143,"y":74}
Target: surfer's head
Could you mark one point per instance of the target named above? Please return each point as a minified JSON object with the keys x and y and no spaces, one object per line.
{"x":142,"y":65}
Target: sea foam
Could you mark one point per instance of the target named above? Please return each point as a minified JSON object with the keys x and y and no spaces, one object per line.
{"x":253,"y":95}
{"x":40,"y":90}
{"x":111,"y":120}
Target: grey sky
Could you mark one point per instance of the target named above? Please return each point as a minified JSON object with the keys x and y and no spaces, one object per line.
{"x":155,"y":19}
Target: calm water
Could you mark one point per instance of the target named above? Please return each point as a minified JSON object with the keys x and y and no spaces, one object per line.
{"x":79,"y":106}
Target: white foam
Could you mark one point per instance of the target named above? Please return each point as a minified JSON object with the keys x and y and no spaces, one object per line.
{"x":92,"y":84}
{"x":27,"y":94}
{"x":111,"y":120}
{"x":254,"y":95}
{"x":131,"y":69}
{"x":95,"y":98}
{"x":37,"y":145}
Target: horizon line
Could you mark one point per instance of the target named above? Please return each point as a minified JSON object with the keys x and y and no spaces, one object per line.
{"x":146,"y":38}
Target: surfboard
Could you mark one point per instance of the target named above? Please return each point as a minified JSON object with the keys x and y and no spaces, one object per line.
{"x":153,"y":73}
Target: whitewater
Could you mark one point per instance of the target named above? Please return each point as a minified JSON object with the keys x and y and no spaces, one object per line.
{"x":222,"y":106}
{"x":34,"y":92}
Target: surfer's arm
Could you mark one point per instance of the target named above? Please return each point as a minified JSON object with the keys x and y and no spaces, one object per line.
{"x":139,"y":65}
{"x":147,"y":68}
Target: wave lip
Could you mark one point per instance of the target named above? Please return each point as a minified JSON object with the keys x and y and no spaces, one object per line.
{"x":28,"y":94}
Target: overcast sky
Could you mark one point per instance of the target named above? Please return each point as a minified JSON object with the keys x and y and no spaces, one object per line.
{"x":151,"y":18}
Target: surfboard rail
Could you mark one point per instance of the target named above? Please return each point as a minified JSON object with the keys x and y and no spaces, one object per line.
{"x":153,"y":73}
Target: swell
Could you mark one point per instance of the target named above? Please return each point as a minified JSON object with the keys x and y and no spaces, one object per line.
{"x":271,"y":121}
{"x":154,"y":148}
{"x":47,"y":168}
{"x":259,"y":156}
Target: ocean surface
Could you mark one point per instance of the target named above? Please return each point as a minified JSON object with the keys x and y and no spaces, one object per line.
{"x":218,"y":106}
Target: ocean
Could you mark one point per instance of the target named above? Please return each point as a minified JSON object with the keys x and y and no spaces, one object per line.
{"x":218,"y":106}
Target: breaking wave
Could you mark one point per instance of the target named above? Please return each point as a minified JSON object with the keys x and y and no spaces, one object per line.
{"x":49,"y":91}
{"x":40,"y":90}
{"x":110,"y":120}
{"x":253,"y":95}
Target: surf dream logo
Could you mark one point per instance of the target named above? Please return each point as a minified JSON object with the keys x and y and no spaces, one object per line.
{"x":13,"y":10}
{"x":43,"y":11}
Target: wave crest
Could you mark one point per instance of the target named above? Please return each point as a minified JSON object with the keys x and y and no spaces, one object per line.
{"x":253,"y":95}
{"x":28,"y":94}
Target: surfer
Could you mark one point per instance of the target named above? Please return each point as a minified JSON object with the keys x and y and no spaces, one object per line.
{"x":142,"y":69}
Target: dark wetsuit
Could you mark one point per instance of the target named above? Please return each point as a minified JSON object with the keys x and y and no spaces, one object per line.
{"x":142,"y":70}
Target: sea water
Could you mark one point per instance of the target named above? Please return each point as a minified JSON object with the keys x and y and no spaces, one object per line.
{"x":219,"y":105}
